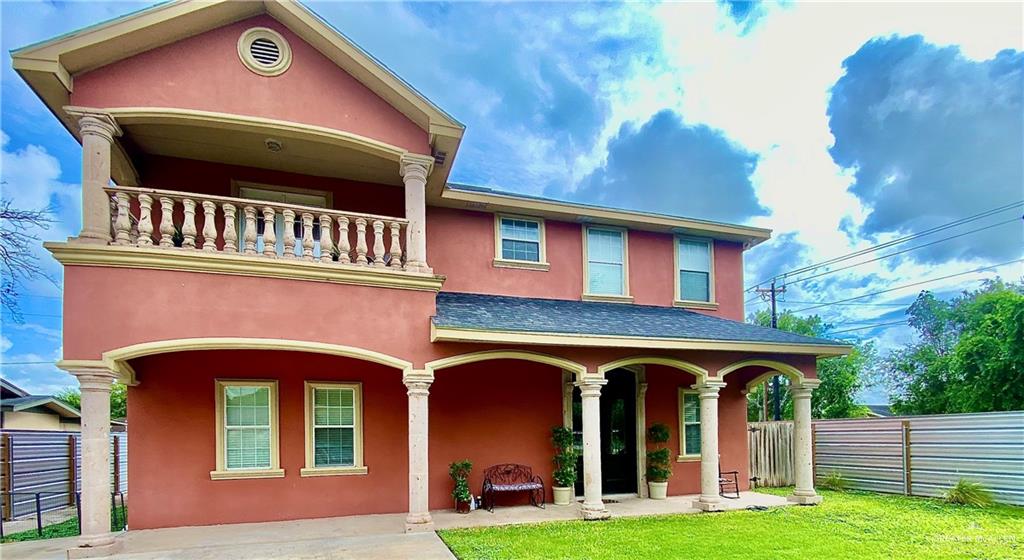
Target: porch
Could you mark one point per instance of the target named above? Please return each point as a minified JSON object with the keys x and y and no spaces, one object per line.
{"x":360,"y":536}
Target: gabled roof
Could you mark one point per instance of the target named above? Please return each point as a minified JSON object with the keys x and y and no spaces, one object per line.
{"x":35,"y":401}
{"x":465,"y":317}
{"x":8,"y":387}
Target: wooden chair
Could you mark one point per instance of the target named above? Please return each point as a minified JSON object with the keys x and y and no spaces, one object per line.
{"x":728,"y":483}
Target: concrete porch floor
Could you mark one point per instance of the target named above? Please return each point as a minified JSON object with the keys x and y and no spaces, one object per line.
{"x":363,"y":536}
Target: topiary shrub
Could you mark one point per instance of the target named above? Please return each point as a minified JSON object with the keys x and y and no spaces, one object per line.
{"x":459,"y":471}
{"x":968,"y":493}
{"x":658,"y":461}
{"x":565,"y":457}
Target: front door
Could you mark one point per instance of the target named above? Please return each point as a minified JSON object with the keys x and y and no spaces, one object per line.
{"x":618,"y":433}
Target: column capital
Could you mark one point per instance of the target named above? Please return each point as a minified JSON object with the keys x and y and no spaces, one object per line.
{"x":415,"y":166}
{"x":803,"y":389}
{"x":708,"y":389}
{"x":418,"y":381}
{"x":590,"y":384}
{"x":95,"y":122}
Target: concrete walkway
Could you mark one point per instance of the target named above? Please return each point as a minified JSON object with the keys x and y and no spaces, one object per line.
{"x":364,"y":536}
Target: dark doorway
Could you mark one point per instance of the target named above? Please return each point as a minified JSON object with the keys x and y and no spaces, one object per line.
{"x":618,"y":433}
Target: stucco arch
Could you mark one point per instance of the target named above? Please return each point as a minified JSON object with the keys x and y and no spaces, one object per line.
{"x":777,"y":368}
{"x":452,"y":361}
{"x":700,"y":373}
{"x":117,"y":359}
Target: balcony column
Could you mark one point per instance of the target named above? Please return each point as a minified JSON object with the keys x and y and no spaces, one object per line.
{"x":803,"y":453}
{"x":417,"y":383}
{"x":97,"y":130}
{"x":590,"y":393}
{"x":415,"y":169}
{"x":709,"y":500}
{"x":96,"y":538}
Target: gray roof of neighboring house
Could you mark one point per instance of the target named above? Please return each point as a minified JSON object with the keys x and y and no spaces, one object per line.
{"x":32,"y":401}
{"x":880,"y":409}
{"x":517,"y":314}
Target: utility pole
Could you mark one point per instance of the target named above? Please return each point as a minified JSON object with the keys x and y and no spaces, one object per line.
{"x":771,"y":293}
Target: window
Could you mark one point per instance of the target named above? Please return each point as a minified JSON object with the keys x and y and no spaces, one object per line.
{"x":689,"y":424}
{"x":246,"y":430}
{"x":519,"y":242}
{"x":694,"y":264}
{"x":606,"y":272}
{"x":334,"y":439}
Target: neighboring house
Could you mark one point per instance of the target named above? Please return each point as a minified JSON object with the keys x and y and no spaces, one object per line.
{"x":22,"y":411}
{"x":878,"y":410}
{"x":272,"y":258}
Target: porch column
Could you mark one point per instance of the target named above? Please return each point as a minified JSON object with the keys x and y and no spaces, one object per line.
{"x":414,"y":170}
{"x":418,"y":381}
{"x":803,"y":454}
{"x":96,"y":538}
{"x":590,"y":392}
{"x":98,"y":131}
{"x":709,"y":492}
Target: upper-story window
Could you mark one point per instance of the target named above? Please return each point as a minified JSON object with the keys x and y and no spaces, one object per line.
{"x":694,"y":266}
{"x":607,"y":271}
{"x":519,"y":242}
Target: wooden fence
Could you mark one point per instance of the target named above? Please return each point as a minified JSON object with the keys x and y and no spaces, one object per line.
{"x":43,"y":461}
{"x":911,"y":455}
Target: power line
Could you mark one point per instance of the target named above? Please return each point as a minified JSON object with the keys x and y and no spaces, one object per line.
{"x":23,"y":363}
{"x":37,"y":315}
{"x":853,"y":304}
{"x":897,"y":241}
{"x":906,"y":286}
{"x":877,"y":325}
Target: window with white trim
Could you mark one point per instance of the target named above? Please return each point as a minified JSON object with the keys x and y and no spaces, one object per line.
{"x":333,"y":428}
{"x":521,"y":239}
{"x":694,"y":275}
{"x":689,"y":423}
{"x":246,"y":429}
{"x":606,"y":261}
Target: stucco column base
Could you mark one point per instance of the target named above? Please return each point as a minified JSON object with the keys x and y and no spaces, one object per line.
{"x":419,"y":523}
{"x":595,"y":513}
{"x":804,"y":500}
{"x":96,"y":547}
{"x":708,"y":506}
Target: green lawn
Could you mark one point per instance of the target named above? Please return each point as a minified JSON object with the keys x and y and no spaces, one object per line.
{"x":66,"y":528}
{"x":847,"y":525}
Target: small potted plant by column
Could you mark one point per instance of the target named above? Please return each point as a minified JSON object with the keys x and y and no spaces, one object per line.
{"x":459,"y":471}
{"x":565,"y":465}
{"x":658,"y":465}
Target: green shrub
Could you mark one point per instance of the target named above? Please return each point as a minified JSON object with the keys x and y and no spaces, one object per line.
{"x":834,"y":481}
{"x":459,"y":471}
{"x":659,"y":466}
{"x":968,"y":493}
{"x":565,"y":456}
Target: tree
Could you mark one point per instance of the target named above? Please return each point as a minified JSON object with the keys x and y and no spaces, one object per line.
{"x":118,"y":399}
{"x":841,"y":377}
{"x":969,"y":356}
{"x":18,"y":261}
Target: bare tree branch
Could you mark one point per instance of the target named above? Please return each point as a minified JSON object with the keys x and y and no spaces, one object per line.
{"x":18,"y":261}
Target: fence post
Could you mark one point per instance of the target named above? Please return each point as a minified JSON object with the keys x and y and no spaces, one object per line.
{"x":117,"y":464}
{"x":7,"y":461}
{"x":78,"y":510}
{"x":72,"y":469}
{"x":39,"y":515}
{"x":908,"y":487}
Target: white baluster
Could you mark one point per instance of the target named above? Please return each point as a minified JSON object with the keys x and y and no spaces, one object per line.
{"x":378,"y":243}
{"x":209,"y":226}
{"x":269,"y":237}
{"x":326,"y":245}
{"x":307,"y":236}
{"x":289,"y":233}
{"x":166,"y":222}
{"x":344,"y":248}
{"x":122,"y":225}
{"x":361,"y":241}
{"x":250,"y":230}
{"x":230,"y":233}
{"x":396,"y":246}
{"x":188,"y":227}
{"x":145,"y":220}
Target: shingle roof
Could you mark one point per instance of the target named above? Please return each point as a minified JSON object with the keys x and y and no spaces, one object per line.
{"x":516,"y":314}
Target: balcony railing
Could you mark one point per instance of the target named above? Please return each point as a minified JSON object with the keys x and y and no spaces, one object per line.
{"x":188,"y":221}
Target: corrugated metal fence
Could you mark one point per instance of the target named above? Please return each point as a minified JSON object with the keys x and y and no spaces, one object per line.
{"x":40,"y":461}
{"x":913,"y":455}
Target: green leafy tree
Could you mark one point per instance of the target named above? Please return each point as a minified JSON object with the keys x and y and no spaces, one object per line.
{"x":841,"y":377}
{"x":118,"y":399}
{"x":969,"y":356}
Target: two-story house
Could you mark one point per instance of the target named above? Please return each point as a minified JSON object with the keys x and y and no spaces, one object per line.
{"x":274,"y":261}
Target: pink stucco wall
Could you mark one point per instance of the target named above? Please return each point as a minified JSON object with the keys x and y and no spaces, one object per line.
{"x":205,"y":73}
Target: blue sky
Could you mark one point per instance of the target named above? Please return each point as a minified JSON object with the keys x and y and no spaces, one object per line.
{"x":837,"y":125}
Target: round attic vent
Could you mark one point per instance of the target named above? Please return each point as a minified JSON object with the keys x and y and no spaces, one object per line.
{"x":264,"y":51}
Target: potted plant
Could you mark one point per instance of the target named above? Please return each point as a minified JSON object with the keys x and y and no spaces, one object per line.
{"x":459,"y":471}
{"x":565,"y":465}
{"x":658,"y":465}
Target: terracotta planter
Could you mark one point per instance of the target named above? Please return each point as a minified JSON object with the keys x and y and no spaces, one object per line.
{"x":563,"y":495}
{"x":461,"y":507}
{"x":657,"y":490}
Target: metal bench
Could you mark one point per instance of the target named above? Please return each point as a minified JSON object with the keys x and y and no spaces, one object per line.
{"x":728,"y":483}
{"x":511,"y":477}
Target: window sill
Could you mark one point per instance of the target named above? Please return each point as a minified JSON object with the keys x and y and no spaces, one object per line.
{"x":695,"y":304}
{"x":688,"y":459}
{"x":607,"y":298}
{"x":332,"y":471}
{"x":241,"y":475}
{"x":524,"y":265}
